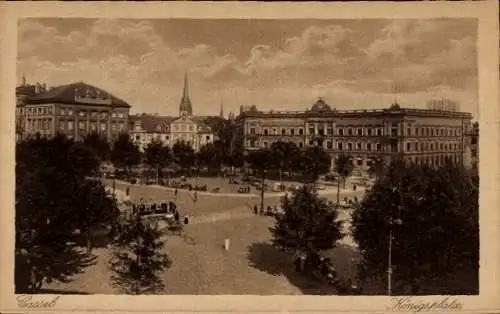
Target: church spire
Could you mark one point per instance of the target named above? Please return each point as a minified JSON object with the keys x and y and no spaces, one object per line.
{"x":221,"y":113}
{"x":185,"y":108}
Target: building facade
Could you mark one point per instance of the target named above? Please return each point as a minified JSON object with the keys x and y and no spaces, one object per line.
{"x":74,"y":110}
{"x":422,"y":136}
{"x":145,"y":128}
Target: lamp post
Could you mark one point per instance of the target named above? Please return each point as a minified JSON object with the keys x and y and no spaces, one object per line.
{"x":392,"y":222}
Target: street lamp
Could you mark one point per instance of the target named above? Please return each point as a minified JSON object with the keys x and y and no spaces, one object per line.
{"x":392,"y":222}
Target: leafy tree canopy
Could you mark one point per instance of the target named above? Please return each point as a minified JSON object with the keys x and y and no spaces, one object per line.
{"x":308,"y":225}
{"x":99,"y":144}
{"x":125,"y":154}
{"x":439,"y":234}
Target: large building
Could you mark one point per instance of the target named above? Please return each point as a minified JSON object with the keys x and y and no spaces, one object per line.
{"x":423,"y":136}
{"x":73,"y":110}
{"x":144,"y":128}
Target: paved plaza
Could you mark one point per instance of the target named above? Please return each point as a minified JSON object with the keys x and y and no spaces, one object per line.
{"x":200,"y":263}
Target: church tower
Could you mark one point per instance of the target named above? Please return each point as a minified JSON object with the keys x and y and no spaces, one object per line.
{"x":185,"y":108}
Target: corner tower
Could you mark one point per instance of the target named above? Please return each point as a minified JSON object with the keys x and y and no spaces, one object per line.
{"x":185,"y":108}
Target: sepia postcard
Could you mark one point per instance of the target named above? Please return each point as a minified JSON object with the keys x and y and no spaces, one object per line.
{"x":250,"y":157}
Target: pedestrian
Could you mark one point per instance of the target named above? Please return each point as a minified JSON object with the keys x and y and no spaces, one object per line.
{"x":354,"y":187}
{"x":255,"y":210}
{"x":186,"y":220}
{"x":175,"y":193}
{"x":176,"y":216}
{"x":195,"y":196}
{"x":128,"y":191}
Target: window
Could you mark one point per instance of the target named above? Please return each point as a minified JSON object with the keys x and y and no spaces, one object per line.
{"x":394,"y":147}
{"x":311,"y":143}
{"x":292,"y":131}
{"x":283,"y":131}
{"x":369,"y":132}
{"x":369,"y":146}
{"x":70,"y":125}
{"x":81,"y":125}
{"x":432,"y":146}
{"x":63,"y":112}
{"x":207,"y":137}
{"x":70,"y":112}
{"x":359,"y":162}
{"x":120,"y":115}
{"x":341,"y":132}
{"x":379,"y":147}
{"x":329,"y":144}
{"x":265,"y":144}
{"x":394,"y":131}
{"x":379,"y":132}
{"x":191,"y":128}
{"x":301,"y":131}
{"x":103,"y":126}
{"x":113,"y":115}
{"x":409,"y":131}
{"x":61,"y":125}
{"x":360,"y":131}
{"x":275,"y":132}
{"x":330,"y":131}
{"x":349,"y":131}
{"x":408,"y":147}
{"x":339,"y":145}
{"x":349,"y":146}
{"x":138,"y":137}
{"x":311,"y":130}
{"x":81,"y":114}
{"x":301,"y":145}
{"x":321,"y":131}
{"x":252,"y":131}
{"x":358,"y":146}
{"x":167,"y":137}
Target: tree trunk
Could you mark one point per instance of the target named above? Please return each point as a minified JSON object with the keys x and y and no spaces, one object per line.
{"x":338,"y":192}
{"x":88,"y":241}
{"x":262,"y":193}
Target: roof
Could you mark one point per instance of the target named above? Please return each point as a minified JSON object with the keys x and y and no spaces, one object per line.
{"x":67,"y":94}
{"x":25,"y":90}
{"x":150,"y":122}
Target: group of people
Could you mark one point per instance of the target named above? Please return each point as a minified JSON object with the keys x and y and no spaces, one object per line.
{"x":269,"y":210}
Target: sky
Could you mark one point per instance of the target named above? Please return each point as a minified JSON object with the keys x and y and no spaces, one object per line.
{"x":273,"y":64}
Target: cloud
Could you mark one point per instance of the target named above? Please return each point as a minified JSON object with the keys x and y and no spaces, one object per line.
{"x":133,"y":60}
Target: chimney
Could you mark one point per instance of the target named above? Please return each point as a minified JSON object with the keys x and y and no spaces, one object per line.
{"x":38,"y":87}
{"x":44,"y":87}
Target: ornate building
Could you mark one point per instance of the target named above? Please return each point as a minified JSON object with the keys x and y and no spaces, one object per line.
{"x":75,"y":110}
{"x":422,"y":136}
{"x":186,"y":127}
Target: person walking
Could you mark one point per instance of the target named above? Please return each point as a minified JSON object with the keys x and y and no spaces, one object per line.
{"x":255,"y":210}
{"x":175,"y":193}
{"x":176,"y":216}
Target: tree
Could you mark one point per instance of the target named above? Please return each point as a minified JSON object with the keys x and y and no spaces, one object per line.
{"x":138,"y":259}
{"x":438,"y":238}
{"x":95,"y":208}
{"x":184,"y":155}
{"x":376,"y":167}
{"x":50,"y":178}
{"x":313,"y":162}
{"x":308,"y":225}
{"x":125,"y":154}
{"x":283,"y":154}
{"x":260,"y":161}
{"x":344,"y":168}
{"x":157,"y":156}
{"x":99,"y":144}
{"x":211,"y":155}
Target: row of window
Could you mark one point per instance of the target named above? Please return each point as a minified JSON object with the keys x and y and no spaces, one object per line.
{"x":374,"y":146}
{"x":417,"y":131}
{"x":39,"y":111}
{"x":432,"y":147}
{"x":102,"y":127}
{"x":184,"y":137}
